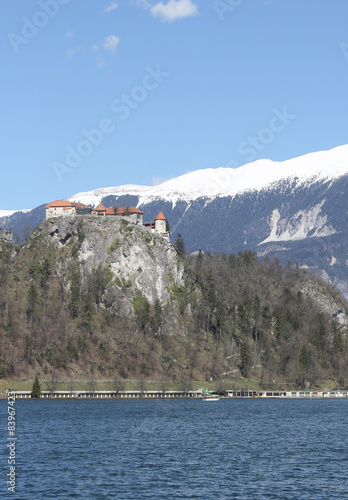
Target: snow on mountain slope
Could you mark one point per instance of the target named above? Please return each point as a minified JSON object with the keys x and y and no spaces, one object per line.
{"x":7,"y":213}
{"x":217,"y":182}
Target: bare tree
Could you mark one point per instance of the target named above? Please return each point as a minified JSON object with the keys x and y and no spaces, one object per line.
{"x":186,"y":385}
{"x":71,"y":385}
{"x":26,"y":231}
{"x":142,"y":385}
{"x":164,"y":384}
{"x":118,"y":385}
{"x":91,"y":385}
{"x":52,"y":383}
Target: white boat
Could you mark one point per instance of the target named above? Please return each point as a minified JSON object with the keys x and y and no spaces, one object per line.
{"x":208,"y":396}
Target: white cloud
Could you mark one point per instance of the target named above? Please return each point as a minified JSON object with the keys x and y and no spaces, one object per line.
{"x":110,"y":8}
{"x":69,"y":34}
{"x":69,"y":54}
{"x":110,"y":43}
{"x":143,"y":3}
{"x":174,"y":9}
{"x":100,"y":62}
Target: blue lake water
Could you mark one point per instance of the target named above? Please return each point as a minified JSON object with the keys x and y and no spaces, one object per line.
{"x":243,"y":449}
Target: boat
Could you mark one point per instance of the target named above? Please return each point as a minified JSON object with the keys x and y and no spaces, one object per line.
{"x":209,"y":396}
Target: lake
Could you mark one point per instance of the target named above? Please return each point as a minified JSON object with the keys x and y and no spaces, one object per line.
{"x":159,"y":449}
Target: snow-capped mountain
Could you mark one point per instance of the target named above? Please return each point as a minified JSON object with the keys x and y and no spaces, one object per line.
{"x":295,"y":210}
{"x":210,"y":183}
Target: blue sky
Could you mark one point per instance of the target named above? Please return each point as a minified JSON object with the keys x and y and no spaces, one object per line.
{"x":98,"y":93}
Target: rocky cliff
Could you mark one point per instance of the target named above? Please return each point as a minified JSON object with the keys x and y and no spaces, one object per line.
{"x":139,"y":261}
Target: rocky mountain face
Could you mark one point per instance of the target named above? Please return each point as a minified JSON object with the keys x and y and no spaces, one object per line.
{"x":138,"y":261}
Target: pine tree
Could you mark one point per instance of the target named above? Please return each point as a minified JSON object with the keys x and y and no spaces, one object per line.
{"x":337,"y":336}
{"x":36,"y":389}
{"x":32,"y":300}
{"x":180,"y":246}
{"x":305,"y":363}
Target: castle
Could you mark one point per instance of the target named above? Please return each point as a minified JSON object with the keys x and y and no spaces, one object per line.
{"x":66,"y":208}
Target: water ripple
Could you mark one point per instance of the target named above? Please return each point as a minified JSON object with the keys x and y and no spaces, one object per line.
{"x":234,"y":449}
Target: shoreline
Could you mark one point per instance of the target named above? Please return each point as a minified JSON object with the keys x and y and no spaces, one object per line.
{"x":74,"y":395}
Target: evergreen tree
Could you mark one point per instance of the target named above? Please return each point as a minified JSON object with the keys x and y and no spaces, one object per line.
{"x":305,"y":363}
{"x":141,"y":308}
{"x":180,"y":246}
{"x":32,"y":299}
{"x":36,"y":388}
{"x":75,"y":284}
{"x":245,"y":358}
{"x":337,"y":337}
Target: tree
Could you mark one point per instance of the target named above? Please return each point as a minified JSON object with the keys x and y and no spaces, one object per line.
{"x":75,"y":285}
{"x":186,"y":385}
{"x":142,"y":385}
{"x":92,"y":385}
{"x":305,"y":363}
{"x":26,"y":231}
{"x":52,"y":383}
{"x":36,"y":388}
{"x":141,"y":308}
{"x":156,"y":316}
{"x":245,"y":357}
{"x":118,"y":385}
{"x":337,"y":337}
{"x":180,"y":245}
{"x":32,"y":299}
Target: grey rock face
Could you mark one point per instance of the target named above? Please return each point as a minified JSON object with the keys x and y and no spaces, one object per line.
{"x":5,"y":236}
{"x":139,"y":260}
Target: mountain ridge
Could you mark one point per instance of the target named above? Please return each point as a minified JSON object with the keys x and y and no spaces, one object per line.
{"x":223,"y":181}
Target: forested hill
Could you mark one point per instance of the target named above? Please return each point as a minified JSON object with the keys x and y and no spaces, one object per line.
{"x":90,"y":297}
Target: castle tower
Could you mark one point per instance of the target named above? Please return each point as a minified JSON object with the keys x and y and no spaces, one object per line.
{"x":160,"y":224}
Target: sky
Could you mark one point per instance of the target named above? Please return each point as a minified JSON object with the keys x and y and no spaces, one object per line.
{"x":99,"y":93}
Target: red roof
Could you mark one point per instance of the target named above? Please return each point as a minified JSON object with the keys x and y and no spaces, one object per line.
{"x":134,"y":210}
{"x":59,"y":203}
{"x":129,"y":210}
{"x":100,"y":208}
{"x":79,"y":205}
{"x":160,"y":216}
{"x":109,"y":211}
